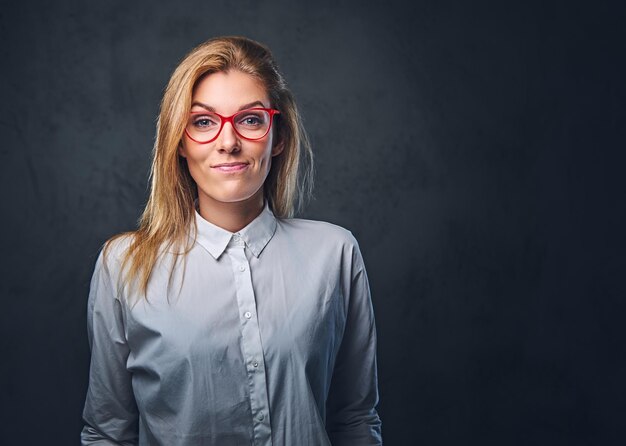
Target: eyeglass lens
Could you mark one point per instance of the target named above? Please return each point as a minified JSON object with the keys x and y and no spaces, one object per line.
{"x":252,"y":124}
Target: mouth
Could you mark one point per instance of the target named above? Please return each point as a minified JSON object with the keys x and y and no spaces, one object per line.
{"x":230,"y":167}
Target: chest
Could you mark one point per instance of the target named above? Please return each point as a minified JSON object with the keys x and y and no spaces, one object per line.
{"x":207,"y":312}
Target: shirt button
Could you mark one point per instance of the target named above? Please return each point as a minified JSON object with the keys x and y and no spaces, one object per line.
{"x":242,"y":268}
{"x":256,"y":364}
{"x":247,"y":314}
{"x":261,"y":416}
{"x":236,"y":237}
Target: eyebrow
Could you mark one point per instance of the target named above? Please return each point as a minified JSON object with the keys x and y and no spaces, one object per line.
{"x":243,"y":107}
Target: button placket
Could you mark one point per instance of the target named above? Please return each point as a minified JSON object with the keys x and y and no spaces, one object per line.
{"x":252,"y":348}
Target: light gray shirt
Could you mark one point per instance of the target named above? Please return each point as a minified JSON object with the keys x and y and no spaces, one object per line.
{"x":262,"y":337}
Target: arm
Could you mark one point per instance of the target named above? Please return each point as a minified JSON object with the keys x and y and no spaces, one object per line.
{"x":110,"y":412}
{"x":352,"y":418}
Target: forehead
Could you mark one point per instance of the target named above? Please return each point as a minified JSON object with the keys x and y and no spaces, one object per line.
{"x":227,"y":91}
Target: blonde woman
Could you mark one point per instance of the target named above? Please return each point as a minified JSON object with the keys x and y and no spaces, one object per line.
{"x":222,"y":320}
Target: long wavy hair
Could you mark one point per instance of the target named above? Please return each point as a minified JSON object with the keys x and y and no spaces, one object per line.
{"x":169,"y":213}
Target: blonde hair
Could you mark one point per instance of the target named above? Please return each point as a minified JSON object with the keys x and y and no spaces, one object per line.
{"x":169,"y":212}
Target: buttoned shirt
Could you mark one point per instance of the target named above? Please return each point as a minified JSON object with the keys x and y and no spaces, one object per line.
{"x":261,"y":337}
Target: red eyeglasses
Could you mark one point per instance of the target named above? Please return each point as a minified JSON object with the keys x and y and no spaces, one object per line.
{"x":252,"y":124}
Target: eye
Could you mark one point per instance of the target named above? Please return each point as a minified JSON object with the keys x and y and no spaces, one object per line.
{"x":251,"y":119}
{"x":204,"y":121}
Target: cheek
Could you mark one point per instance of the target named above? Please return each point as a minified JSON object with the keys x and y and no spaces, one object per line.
{"x":195,"y":159}
{"x":194,"y":154}
{"x":266,"y":151}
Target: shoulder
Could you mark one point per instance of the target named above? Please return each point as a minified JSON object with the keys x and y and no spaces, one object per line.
{"x":110,"y":266}
{"x":112,"y":255}
{"x":320,"y":239}
{"x":317,"y":230}
{"x":116,"y":248}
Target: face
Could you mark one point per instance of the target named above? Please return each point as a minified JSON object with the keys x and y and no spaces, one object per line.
{"x":229,"y":169}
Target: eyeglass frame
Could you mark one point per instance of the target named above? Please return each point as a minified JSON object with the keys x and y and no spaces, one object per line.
{"x":225,"y":119}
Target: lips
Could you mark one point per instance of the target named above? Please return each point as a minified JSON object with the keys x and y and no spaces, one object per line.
{"x":230,"y":167}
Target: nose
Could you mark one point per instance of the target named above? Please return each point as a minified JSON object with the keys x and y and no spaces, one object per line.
{"x":228,"y":141}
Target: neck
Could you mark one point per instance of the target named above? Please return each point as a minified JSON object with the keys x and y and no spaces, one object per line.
{"x":232,"y":216}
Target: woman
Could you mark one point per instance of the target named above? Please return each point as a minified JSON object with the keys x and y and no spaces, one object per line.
{"x":222,"y":320}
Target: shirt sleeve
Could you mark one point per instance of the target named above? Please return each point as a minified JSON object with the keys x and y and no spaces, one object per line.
{"x":110,"y":412}
{"x":351,"y":413}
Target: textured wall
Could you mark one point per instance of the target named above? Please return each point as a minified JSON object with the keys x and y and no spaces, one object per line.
{"x":475,"y":151}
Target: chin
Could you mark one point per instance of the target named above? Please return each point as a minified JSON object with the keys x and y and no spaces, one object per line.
{"x":235,"y":199}
{"x":232,"y":196}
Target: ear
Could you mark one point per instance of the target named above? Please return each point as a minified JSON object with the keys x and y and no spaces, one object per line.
{"x":278,"y":148}
{"x":181,"y":150}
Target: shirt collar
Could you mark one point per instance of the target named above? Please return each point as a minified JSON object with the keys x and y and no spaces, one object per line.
{"x":256,"y":234}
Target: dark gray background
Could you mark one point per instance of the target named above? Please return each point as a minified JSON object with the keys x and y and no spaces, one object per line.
{"x":475,"y":150}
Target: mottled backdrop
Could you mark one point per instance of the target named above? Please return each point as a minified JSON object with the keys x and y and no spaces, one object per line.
{"x":475,"y":150}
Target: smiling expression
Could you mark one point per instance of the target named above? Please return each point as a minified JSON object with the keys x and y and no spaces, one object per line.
{"x":229,"y":169}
